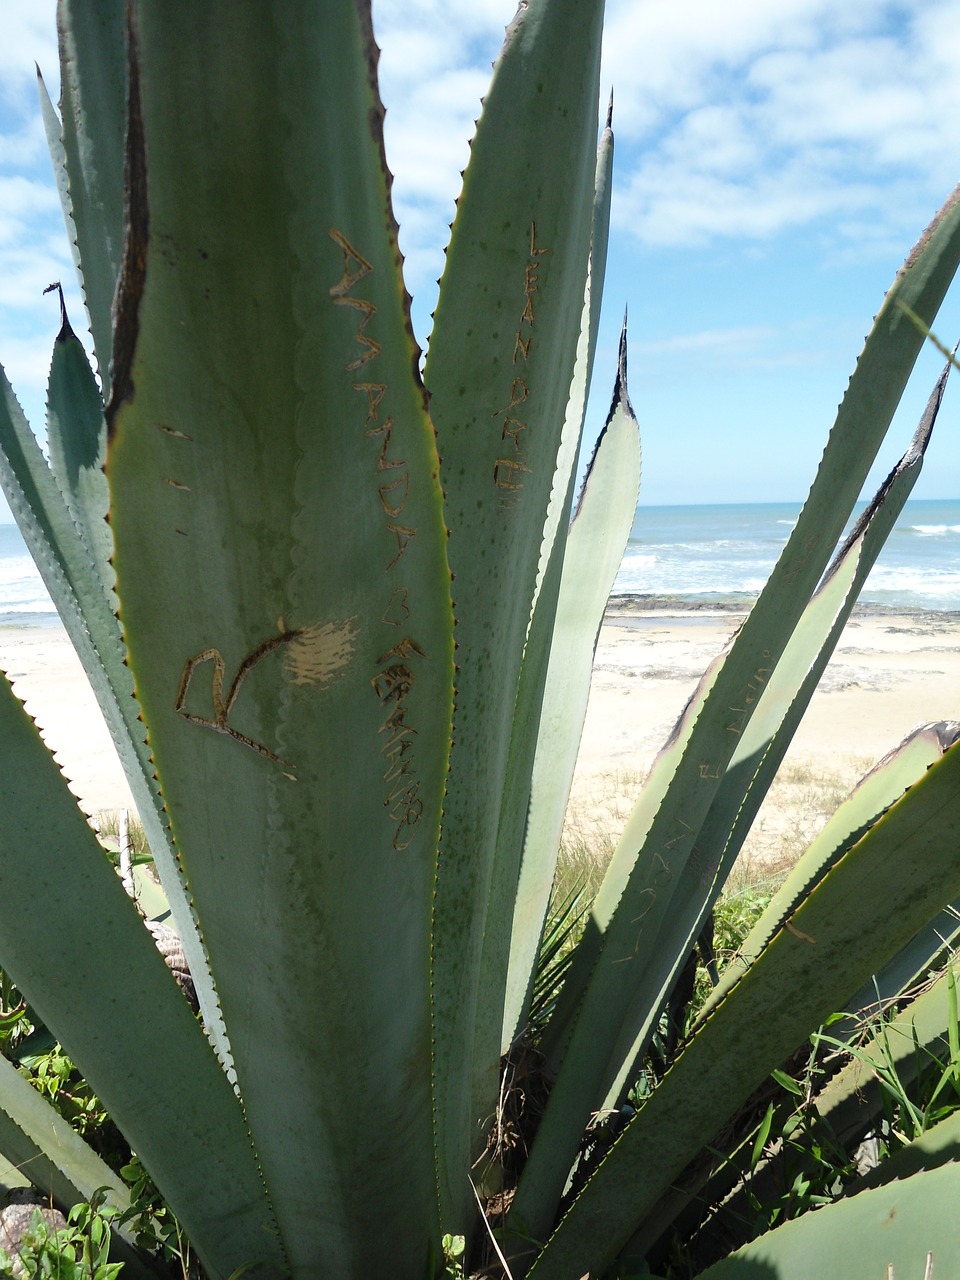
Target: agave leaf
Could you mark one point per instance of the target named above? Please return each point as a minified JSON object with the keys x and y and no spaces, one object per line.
{"x":38,"y":1141}
{"x":571,"y":435}
{"x":285,"y":594}
{"x":77,"y":444}
{"x":783,"y":700}
{"x":909,"y":967}
{"x":498,"y":370}
{"x":497,"y":955}
{"x":595,"y":545}
{"x":882,"y":787}
{"x":939,"y":1145}
{"x":924,"y":1242}
{"x":854,"y":1101}
{"x":839,"y":934}
{"x":789,"y":688}
{"x":77,"y":588}
{"x":615,"y":979}
{"x":115,"y":1001}
{"x":87,"y":153}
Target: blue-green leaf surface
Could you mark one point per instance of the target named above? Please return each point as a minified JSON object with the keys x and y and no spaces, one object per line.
{"x":281,"y":566}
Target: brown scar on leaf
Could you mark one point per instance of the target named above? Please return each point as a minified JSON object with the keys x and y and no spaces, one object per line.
{"x":316,"y":654}
{"x":172,"y":431}
{"x":175,"y":484}
{"x":222,"y":706}
{"x":355,"y":265}
{"x":398,"y":608}
{"x":798,"y":933}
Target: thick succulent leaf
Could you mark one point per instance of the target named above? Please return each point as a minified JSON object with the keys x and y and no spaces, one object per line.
{"x":839,"y":935}
{"x":117,"y":1010}
{"x":92,"y":107}
{"x":882,"y":787}
{"x":514,"y":816}
{"x":571,"y":436}
{"x":912,"y":965}
{"x":882,"y":1068}
{"x":499,"y":371}
{"x":787,"y":691}
{"x":77,"y":445}
{"x":595,"y":545}
{"x":39,"y":1141}
{"x":620,"y":957}
{"x":783,"y":699}
{"x":285,"y":594}
{"x":939,"y":1145}
{"x":77,"y":589}
{"x":904,"y":1230}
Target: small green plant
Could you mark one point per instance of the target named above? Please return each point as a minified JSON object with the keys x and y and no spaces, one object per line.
{"x":14,"y":1016}
{"x":454,"y":1248}
{"x":55,"y":1077}
{"x":79,"y":1251}
{"x":150,"y":1220}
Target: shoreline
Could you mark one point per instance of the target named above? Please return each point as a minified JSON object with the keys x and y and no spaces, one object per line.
{"x":738,"y":605}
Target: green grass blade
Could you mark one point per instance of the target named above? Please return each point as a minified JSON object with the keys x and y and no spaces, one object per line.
{"x":938,"y":1145}
{"x":840,"y":934}
{"x":924,"y":1026}
{"x":285,"y":596}
{"x":116,"y":1009}
{"x":499,"y":370}
{"x":907,"y":968}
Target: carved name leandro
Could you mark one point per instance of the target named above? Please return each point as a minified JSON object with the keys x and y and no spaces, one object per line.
{"x":315,"y":654}
{"x":510,"y":467}
{"x":396,"y":666}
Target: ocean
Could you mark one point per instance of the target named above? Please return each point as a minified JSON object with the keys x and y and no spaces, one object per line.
{"x":723,"y":554}
{"x":694,"y":555}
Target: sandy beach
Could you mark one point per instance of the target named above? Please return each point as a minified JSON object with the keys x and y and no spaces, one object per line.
{"x":891,"y":671}
{"x":46,"y":674}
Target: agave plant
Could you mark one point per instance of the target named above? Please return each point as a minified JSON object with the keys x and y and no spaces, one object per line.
{"x":341,"y":630}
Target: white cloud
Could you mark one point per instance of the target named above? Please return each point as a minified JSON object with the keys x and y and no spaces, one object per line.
{"x":747,"y":119}
{"x":722,"y":340}
{"x":29,"y":38}
{"x":740,"y":120}
{"x":434,"y":70}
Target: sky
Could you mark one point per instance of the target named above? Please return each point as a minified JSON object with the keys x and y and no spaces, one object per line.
{"x":775,"y":163}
